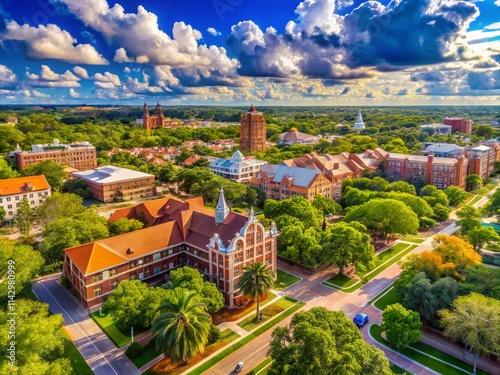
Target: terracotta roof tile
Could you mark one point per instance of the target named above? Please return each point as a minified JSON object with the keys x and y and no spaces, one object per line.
{"x":22,"y":185}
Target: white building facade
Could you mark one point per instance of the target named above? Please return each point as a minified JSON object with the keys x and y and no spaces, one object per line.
{"x":12,"y":191}
{"x":237,"y":168}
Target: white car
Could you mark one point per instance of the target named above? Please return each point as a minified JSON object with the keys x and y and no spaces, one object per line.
{"x":239,"y":367}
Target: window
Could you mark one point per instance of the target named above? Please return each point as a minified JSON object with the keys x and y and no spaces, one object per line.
{"x":9,"y":206}
{"x":8,"y":199}
{"x":97,"y":291}
{"x":17,"y":197}
{"x":156,"y":257}
{"x":157,"y":270}
{"x":31,"y":195}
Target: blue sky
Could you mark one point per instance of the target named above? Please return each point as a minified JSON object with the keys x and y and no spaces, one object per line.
{"x":231,"y":52}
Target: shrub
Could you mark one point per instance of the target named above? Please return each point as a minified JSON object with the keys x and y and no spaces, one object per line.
{"x":65,"y":282}
{"x":214,"y":333}
{"x":134,"y":350}
{"x":51,"y":268}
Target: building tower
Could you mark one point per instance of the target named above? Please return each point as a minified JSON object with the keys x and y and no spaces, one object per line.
{"x":155,"y":121}
{"x":359,"y":122}
{"x":145,"y":117}
{"x":222,"y":209}
{"x":252,"y":131}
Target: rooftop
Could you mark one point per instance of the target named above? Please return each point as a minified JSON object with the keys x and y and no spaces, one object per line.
{"x":301,"y":176}
{"x":109,"y":174}
{"x":23,"y":185}
{"x":480,"y":148}
{"x":443,"y":147}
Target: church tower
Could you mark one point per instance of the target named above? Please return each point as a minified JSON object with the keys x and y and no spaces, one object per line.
{"x":359,"y":122}
{"x":252,"y":131}
{"x":159,"y":115}
{"x":145,"y":117}
{"x":222,"y":209}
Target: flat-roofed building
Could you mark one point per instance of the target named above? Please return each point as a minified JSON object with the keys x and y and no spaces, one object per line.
{"x":440,"y":129}
{"x":13,"y":190}
{"x":182,"y":233}
{"x":443,"y":150}
{"x":238,"y":168}
{"x":460,"y":125}
{"x":282,"y":182}
{"x":109,"y":183}
{"x":78,"y":155}
{"x":481,"y":160}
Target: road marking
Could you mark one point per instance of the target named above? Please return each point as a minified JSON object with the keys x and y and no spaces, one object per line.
{"x":78,"y":325}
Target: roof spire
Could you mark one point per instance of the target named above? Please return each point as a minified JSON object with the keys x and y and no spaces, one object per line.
{"x":359,"y":122}
{"x":251,"y":215}
{"x":222,"y":209}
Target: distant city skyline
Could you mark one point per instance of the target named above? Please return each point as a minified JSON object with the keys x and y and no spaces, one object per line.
{"x":234,"y":52}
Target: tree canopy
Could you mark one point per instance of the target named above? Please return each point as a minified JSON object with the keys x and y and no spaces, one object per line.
{"x":402,"y":327}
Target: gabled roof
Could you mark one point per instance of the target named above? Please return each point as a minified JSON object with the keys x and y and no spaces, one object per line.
{"x":301,"y":176}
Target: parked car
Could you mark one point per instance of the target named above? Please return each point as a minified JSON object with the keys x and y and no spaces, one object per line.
{"x":360,"y":320}
{"x":239,"y":367}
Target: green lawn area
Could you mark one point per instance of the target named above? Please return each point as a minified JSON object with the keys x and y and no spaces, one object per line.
{"x":475,"y":200}
{"x":285,"y":280}
{"x":261,"y":368}
{"x":80,"y":367}
{"x":425,"y":359}
{"x":398,"y":370}
{"x":388,"y":299}
{"x":151,"y":353}
{"x":382,"y":262}
{"x":204,"y":367}
{"x":110,"y":327}
{"x":268,"y":312}
{"x":415,"y":240}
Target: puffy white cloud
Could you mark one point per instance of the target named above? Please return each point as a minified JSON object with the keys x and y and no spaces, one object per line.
{"x":73,"y":93}
{"x":139,"y":35}
{"x":49,"y":78}
{"x":126,"y":70}
{"x":81,"y":72}
{"x":107,"y":77}
{"x":121,"y":56}
{"x":51,"y":42}
{"x":38,"y":94}
{"x":214,"y":32}
{"x":6,"y":75}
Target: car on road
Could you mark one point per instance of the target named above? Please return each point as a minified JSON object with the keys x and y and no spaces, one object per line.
{"x":239,"y":367}
{"x":360,"y":320}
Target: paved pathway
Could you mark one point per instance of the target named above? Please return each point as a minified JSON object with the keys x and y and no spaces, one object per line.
{"x":96,"y":348}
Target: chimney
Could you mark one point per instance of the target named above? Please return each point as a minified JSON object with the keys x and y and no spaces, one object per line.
{"x":336,"y":166}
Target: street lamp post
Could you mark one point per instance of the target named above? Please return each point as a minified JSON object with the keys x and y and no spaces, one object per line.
{"x":132,"y":333}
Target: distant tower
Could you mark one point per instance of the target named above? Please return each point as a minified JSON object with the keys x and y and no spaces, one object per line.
{"x":155,"y":121}
{"x":222,"y":209}
{"x":252,"y":131}
{"x":359,"y":122}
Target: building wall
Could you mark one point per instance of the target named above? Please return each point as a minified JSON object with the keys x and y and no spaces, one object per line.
{"x":481,"y":163}
{"x":459,"y":124}
{"x":252,"y":132}
{"x":153,"y":122}
{"x":79,"y":158}
{"x":220,"y":268}
{"x":286,"y":189}
{"x":11,"y":203}
{"x":126,"y":190}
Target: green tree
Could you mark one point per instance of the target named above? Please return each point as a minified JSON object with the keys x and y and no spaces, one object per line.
{"x":441,"y":213}
{"x":191,"y":279}
{"x":124,"y":225}
{"x":433,"y":196}
{"x":469,"y":219}
{"x":474,"y":321}
{"x":319,"y":341}
{"x":346,"y":245}
{"x":39,"y":340}
{"x":76,"y":186}
{"x":455,"y":195}
{"x":473,"y":181}
{"x":402,"y":327}
{"x":402,"y":187}
{"x":60,"y":206}
{"x":480,"y":237}
{"x":2,"y":214}
{"x":298,"y":207}
{"x":481,"y":279}
{"x":255,"y":282}
{"x":53,"y":172}
{"x":24,"y":217}
{"x":326,"y":205}
{"x":26,"y":263}
{"x":6,"y":171}
{"x":385,"y":217}
{"x":182,"y":328}
{"x":190,"y":179}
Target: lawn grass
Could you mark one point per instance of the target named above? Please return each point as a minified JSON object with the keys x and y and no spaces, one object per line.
{"x":285,"y":280}
{"x":398,"y":370}
{"x":149,"y":353}
{"x":415,"y":240}
{"x":80,"y":367}
{"x":268,"y":312}
{"x":261,"y":368}
{"x":110,"y":327}
{"x":382,"y":262}
{"x":166,"y":367}
{"x":230,"y":315}
{"x":259,"y":331}
{"x":475,"y":200}
{"x":388,"y":299}
{"x":425,"y":359}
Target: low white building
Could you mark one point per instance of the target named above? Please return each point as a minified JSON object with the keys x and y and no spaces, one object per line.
{"x":12,"y":191}
{"x":237,"y":168}
{"x":359,"y":125}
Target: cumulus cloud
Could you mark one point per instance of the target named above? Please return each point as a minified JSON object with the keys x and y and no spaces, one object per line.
{"x":322,"y":44}
{"x":139,"y":36}
{"x":81,"y":72}
{"x":73,"y":94}
{"x":214,"y":32}
{"x":487,"y":80}
{"x":107,"y":77}
{"x":51,"y":42}
{"x":49,"y":78}
{"x":7,"y":77}
{"x":121,"y":56}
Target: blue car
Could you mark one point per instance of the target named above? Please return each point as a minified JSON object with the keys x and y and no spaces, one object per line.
{"x":360,"y":320}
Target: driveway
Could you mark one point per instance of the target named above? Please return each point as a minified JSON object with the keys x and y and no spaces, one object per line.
{"x":100,"y":353}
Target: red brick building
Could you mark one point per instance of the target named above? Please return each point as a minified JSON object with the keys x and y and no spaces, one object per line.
{"x":481,"y":161}
{"x":459,"y":124}
{"x":182,"y":232}
{"x":152,"y":122}
{"x":252,"y":131}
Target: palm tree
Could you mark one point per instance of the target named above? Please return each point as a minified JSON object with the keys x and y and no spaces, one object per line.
{"x":256,"y":281}
{"x":182,"y":327}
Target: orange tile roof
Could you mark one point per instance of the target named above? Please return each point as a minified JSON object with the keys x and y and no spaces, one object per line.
{"x":22,"y":185}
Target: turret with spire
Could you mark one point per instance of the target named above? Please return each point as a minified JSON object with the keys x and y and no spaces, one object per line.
{"x":222,"y":209}
{"x":359,"y":122}
{"x":146,"y":110}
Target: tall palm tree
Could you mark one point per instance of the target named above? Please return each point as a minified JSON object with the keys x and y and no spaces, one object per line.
{"x":256,"y":281}
{"x":182,"y":327}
